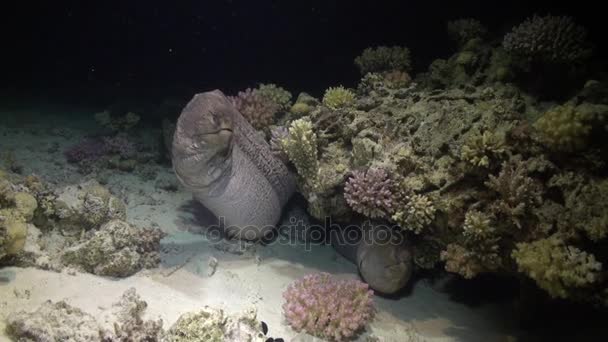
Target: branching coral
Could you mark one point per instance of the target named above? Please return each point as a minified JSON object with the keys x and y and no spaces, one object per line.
{"x":327,"y":307}
{"x":551,"y":39}
{"x":369,"y":192}
{"x":518,"y":193}
{"x":477,"y":225}
{"x":481,"y":149}
{"x":556,"y":267}
{"x":301,"y":147}
{"x":472,"y":260}
{"x":383,"y":58}
{"x":338,"y":97}
{"x":276,"y":94}
{"x":417,"y":213}
{"x":256,"y":108}
{"x":277,"y":135}
{"x":564,"y":128}
{"x":463,"y":30}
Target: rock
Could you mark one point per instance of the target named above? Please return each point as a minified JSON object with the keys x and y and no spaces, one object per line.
{"x":53,"y":322}
{"x":118,"y":249}
{"x":212,"y":325}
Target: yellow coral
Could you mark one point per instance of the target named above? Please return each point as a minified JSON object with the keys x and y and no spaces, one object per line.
{"x":338,"y":97}
{"x":556,"y":267}
{"x":564,"y":128}
{"x":416,"y":214}
{"x":300,"y":109}
{"x":301,"y":148}
{"x":480,"y":149}
{"x":477,"y":225}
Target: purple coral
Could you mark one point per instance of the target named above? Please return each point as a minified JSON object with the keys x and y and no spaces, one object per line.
{"x":257,"y":109}
{"x":369,"y":192}
{"x":88,"y":150}
{"x":120,"y":145}
{"x":328,"y":307}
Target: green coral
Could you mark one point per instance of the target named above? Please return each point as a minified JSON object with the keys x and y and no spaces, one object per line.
{"x":276,"y":94}
{"x":338,"y":97}
{"x":301,"y":109}
{"x":16,"y":210}
{"x":416,"y":214}
{"x":481,"y":149}
{"x":383,"y":58}
{"x":556,"y":267}
{"x":564,"y":128}
{"x":477,"y":225}
{"x":301,"y":148}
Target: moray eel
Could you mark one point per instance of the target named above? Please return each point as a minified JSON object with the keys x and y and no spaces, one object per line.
{"x":229,"y":167}
{"x":386,"y":266}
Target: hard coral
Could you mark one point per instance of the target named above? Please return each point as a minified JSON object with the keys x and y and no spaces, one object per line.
{"x":276,"y":94}
{"x":557,"y":267}
{"x":370,"y":192}
{"x":383,"y":58}
{"x":338,"y":97}
{"x":417,"y":213}
{"x":301,"y":147}
{"x":550,"y":39}
{"x":564,"y":128}
{"x":327,"y":307}
{"x":255,"y":107}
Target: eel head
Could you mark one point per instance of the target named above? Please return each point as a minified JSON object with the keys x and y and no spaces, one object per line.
{"x":203,"y":140}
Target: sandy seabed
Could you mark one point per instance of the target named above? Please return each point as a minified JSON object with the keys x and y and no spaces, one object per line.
{"x":183,"y":282}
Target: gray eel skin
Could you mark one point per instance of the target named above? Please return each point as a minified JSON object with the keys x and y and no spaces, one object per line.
{"x":385,"y":267}
{"x":229,"y":167}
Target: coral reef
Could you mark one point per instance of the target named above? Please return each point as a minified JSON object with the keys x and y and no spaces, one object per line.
{"x":383,"y":58}
{"x":258,"y":109}
{"x":338,"y":97}
{"x":550,"y":39}
{"x":471,"y":165}
{"x":327,"y":307}
{"x":117,"y":249}
{"x":213,"y":325}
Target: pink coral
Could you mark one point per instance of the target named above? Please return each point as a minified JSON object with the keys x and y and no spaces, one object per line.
{"x":327,"y":307}
{"x":369,"y":193}
{"x":257,"y":109}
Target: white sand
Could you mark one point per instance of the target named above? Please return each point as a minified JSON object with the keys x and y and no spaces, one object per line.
{"x":182,"y":283}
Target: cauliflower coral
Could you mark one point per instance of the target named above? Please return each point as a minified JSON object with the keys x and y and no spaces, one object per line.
{"x":369,"y":193}
{"x":329,"y":308}
{"x":556,"y":267}
{"x":258,"y":109}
